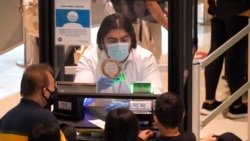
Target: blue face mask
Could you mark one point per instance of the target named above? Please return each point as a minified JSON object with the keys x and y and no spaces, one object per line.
{"x":118,"y":51}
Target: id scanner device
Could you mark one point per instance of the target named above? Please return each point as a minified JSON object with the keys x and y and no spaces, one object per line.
{"x":142,"y":108}
{"x":141,"y":87}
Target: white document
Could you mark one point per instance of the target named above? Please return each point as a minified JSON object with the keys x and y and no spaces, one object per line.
{"x":98,"y":123}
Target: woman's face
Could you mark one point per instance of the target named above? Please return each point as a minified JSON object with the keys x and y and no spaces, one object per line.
{"x":117,"y":36}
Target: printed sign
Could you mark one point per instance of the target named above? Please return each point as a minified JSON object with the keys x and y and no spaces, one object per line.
{"x":72,"y":22}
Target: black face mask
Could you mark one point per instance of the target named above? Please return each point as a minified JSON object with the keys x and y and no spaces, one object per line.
{"x":52,"y":98}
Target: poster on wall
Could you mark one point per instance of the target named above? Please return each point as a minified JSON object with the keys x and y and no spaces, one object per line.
{"x":72,"y":22}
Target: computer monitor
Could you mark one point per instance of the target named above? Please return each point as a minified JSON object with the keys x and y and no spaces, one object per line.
{"x":69,"y":103}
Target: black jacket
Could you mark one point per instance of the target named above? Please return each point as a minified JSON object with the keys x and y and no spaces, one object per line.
{"x":225,"y":9}
{"x":18,"y":122}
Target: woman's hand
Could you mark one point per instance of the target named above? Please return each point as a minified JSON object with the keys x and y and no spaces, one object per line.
{"x":210,"y":137}
{"x":146,"y":134}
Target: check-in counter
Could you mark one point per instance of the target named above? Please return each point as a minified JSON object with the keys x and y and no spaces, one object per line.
{"x":69,"y":107}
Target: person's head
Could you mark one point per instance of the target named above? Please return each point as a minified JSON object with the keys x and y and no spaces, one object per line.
{"x":116,"y":34}
{"x":38,"y":84}
{"x":169,"y":110}
{"x":126,"y":7}
{"x":121,"y":125}
{"x":45,"y":131}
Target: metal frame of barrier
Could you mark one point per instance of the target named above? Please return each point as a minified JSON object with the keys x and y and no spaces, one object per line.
{"x":233,"y":97}
{"x":196,"y":97}
{"x":248,"y":72}
{"x":210,"y":58}
{"x":71,"y":70}
{"x":225,"y":104}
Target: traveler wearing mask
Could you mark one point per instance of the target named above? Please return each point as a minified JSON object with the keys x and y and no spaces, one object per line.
{"x":38,"y":92}
{"x":116,"y":39}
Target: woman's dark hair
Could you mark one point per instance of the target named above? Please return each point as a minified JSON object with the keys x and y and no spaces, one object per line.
{"x":34,"y":78}
{"x":115,"y":21}
{"x":46,"y":131}
{"x":68,"y":131}
{"x":169,"y":109}
{"x":121,"y":125}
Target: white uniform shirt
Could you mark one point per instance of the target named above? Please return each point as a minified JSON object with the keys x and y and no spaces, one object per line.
{"x":139,"y":66}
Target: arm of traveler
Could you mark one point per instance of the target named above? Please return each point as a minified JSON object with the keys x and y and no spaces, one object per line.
{"x":205,"y":5}
{"x":156,"y":11}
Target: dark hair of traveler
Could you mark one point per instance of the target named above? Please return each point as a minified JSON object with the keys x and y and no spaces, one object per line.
{"x":34,"y":78}
{"x":169,"y":109}
{"x":121,"y":125}
{"x":46,"y":131}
